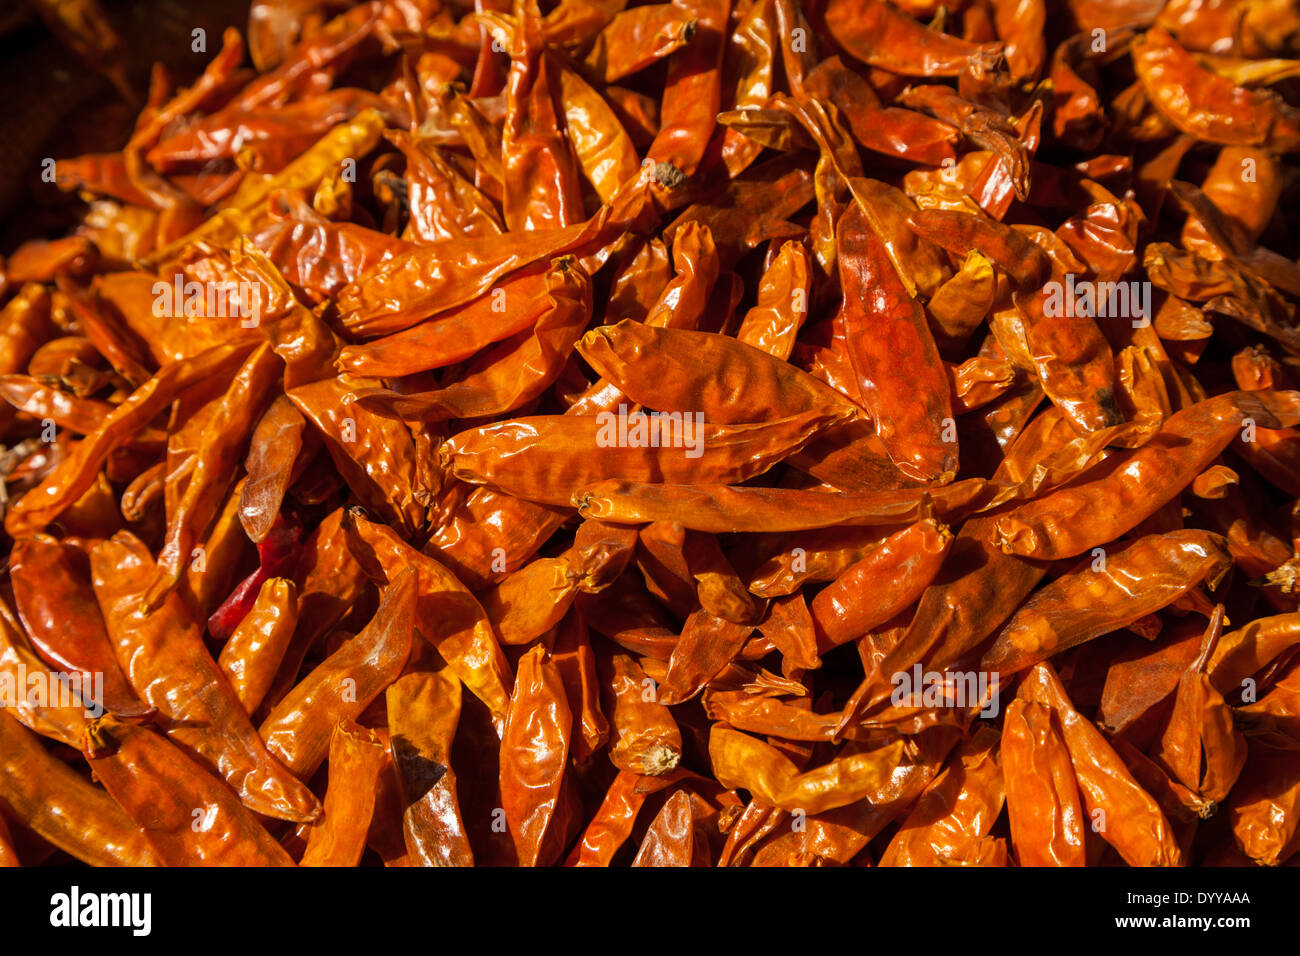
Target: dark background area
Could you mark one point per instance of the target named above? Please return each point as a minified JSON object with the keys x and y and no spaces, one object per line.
{"x":53,"y":105}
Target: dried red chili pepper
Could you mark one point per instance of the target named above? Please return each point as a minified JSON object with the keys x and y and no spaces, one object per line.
{"x":55,"y":601}
{"x":1208,"y":106}
{"x":1201,"y":746}
{"x":450,"y":618}
{"x":1121,"y":812}
{"x":534,"y":755}
{"x":423,"y":711}
{"x":252,"y":655}
{"x":952,"y":819}
{"x":1098,"y":598}
{"x":1042,"y":797}
{"x":904,"y":563}
{"x":877,"y":33}
{"x":555,"y":364}
{"x":58,"y":716}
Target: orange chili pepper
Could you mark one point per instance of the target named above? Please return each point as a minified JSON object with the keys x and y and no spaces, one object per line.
{"x":966,"y":798}
{"x":534,"y":754}
{"x":56,"y":802}
{"x":256,"y":649}
{"x":1149,"y":476}
{"x":644,"y":737}
{"x":163,"y":656}
{"x":357,"y":757}
{"x":56,"y":604}
{"x":1201,"y":746}
{"x":1121,"y":812}
{"x":1208,"y":106}
{"x":188,"y":816}
{"x":878,"y":34}
{"x":298,"y":729}
{"x":1042,"y":796}
{"x":1098,"y":598}
{"x":423,"y":711}
{"x":449,"y":617}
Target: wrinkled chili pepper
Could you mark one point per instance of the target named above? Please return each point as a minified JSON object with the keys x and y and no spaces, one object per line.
{"x":423,"y":711}
{"x":56,"y":802}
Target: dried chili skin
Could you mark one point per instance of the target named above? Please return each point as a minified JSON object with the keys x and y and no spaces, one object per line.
{"x":1043,"y":803}
{"x":908,"y":561}
{"x":1149,"y":476}
{"x":534,"y":749}
{"x":687,"y":434}
{"x":967,"y":798}
{"x":423,"y":711}
{"x":1077,"y":606}
{"x":1124,"y":814}
{"x":357,"y":758}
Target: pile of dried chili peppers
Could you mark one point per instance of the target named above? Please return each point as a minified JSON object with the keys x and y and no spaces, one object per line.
{"x":706,"y":433}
